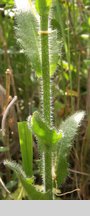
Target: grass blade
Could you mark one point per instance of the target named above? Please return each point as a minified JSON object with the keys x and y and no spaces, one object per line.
{"x":26,"y":145}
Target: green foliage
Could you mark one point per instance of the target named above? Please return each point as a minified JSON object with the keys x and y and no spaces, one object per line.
{"x":26,"y":145}
{"x":46,"y":136}
{"x":10,"y":2}
{"x":27,"y":183}
{"x":28,"y":37}
{"x":16,"y":168}
{"x":69,"y":128}
{"x":41,"y":47}
{"x":33,"y":194}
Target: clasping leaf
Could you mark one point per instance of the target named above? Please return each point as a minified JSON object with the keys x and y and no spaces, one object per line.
{"x":27,"y":183}
{"x":45,"y":135}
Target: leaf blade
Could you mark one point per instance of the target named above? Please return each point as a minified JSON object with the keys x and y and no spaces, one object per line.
{"x":69,"y":127}
{"x":26,"y":146}
{"x":44,"y":134}
{"x":31,"y":191}
{"x":29,"y":39}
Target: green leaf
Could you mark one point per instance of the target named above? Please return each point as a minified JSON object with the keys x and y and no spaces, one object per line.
{"x":31,"y":191}
{"x":61,"y":168}
{"x":26,"y":145}
{"x":69,"y":128}
{"x":44,"y":134}
{"x":43,"y":6}
{"x":29,"y":39}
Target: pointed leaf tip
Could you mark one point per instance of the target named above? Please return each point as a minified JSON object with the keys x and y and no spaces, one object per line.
{"x":22,"y":5}
{"x":78,"y":116}
{"x":70,"y":128}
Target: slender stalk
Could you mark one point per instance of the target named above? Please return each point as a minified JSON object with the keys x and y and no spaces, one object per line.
{"x":69,"y":60}
{"x":46,"y":98}
{"x":45,"y":69}
{"x":6,"y":114}
{"x":6,"y":137}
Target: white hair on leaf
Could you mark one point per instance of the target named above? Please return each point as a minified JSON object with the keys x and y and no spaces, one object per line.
{"x":26,"y":6}
{"x":78,"y":116}
{"x":22,"y":5}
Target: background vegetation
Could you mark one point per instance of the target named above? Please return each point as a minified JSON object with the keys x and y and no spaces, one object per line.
{"x":71,"y":90}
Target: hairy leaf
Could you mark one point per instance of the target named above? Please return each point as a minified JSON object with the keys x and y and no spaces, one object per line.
{"x":15,"y":167}
{"x":69,"y":128}
{"x":33,"y":194}
{"x":44,"y":134}
{"x":22,"y":6}
{"x":31,"y":191}
{"x":29,"y":39}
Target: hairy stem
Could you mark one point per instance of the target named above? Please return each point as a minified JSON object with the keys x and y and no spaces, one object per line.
{"x":45,"y":70}
{"x":46,"y":97}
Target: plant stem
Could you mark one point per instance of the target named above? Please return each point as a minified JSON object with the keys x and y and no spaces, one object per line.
{"x":69,"y":59}
{"x":46,"y":98}
{"x":45,"y":70}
